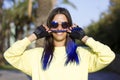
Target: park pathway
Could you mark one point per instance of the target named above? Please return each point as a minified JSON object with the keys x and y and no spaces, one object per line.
{"x":12,"y":75}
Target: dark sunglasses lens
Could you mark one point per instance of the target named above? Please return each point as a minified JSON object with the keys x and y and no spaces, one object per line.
{"x":54,"y":24}
{"x":65,"y":24}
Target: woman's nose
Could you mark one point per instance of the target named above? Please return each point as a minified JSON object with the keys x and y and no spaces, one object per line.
{"x":59,"y":27}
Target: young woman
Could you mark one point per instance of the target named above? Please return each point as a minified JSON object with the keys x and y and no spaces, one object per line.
{"x":60,"y":58}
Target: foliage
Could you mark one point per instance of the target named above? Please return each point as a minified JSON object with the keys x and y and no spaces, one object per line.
{"x":16,"y":14}
{"x":107,"y":28}
{"x":7,"y":67}
{"x":69,"y":3}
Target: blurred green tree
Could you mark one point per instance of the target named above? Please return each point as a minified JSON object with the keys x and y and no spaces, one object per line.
{"x":1,"y":35}
{"x":107,"y":28}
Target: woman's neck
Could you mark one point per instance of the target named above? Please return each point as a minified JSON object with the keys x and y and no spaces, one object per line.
{"x":59,"y":43}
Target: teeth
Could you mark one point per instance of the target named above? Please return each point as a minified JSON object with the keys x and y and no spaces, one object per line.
{"x":59,"y":33}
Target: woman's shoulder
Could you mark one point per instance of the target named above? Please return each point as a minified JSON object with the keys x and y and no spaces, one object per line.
{"x":34,"y":51}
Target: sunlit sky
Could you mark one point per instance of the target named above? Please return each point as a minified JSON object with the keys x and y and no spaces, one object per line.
{"x":87,"y":10}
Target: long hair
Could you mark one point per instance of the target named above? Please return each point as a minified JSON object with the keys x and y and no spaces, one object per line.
{"x":49,"y":45}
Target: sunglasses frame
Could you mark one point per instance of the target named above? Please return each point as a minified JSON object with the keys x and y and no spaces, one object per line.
{"x":54,"y":24}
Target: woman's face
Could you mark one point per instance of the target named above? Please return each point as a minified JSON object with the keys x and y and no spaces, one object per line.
{"x":59,"y":36}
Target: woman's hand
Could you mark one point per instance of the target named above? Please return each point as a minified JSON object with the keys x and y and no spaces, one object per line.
{"x":76,"y":32}
{"x":41,"y":31}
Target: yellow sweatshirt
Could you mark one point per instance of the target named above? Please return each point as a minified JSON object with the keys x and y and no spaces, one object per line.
{"x":92,"y":59}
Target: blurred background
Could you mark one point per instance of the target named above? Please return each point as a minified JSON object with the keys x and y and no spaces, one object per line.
{"x":99,"y":18}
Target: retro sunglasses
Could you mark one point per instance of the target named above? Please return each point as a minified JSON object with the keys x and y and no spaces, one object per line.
{"x":54,"y":24}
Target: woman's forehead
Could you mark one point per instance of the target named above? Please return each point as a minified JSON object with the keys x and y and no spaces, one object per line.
{"x":60,"y":18}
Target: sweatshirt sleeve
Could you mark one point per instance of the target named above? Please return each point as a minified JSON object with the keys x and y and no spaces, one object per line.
{"x":15,"y":55}
{"x":101,"y":55}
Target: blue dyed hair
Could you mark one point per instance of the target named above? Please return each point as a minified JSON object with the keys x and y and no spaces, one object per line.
{"x":72,"y":56}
